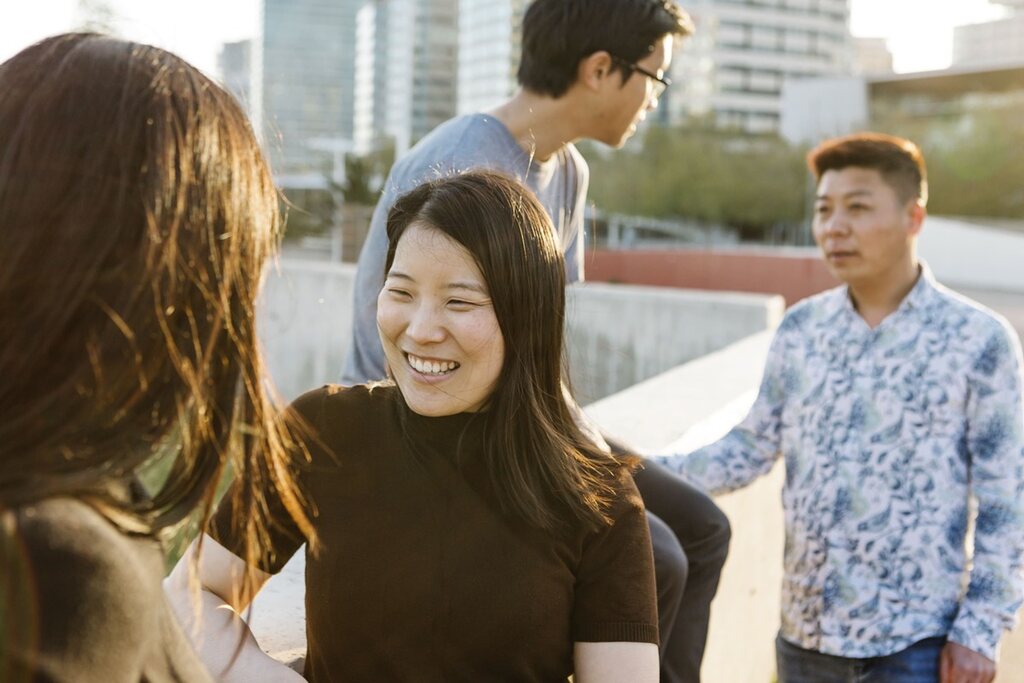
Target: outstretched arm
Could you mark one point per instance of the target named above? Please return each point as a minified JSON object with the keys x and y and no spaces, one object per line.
{"x":751,"y":448}
{"x":220,"y":636}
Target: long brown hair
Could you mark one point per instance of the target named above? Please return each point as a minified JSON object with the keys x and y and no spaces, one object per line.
{"x":136,"y":213}
{"x":540,"y":463}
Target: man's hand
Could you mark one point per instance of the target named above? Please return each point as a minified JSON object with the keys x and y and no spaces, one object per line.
{"x":958,"y":664}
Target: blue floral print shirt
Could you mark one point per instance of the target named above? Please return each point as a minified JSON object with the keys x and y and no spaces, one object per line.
{"x":889,"y":436}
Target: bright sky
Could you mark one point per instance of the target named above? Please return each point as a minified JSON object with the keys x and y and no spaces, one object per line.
{"x":920,"y":32}
{"x":195,"y":29}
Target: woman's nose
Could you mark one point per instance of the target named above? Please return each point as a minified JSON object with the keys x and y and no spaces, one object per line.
{"x":425,"y":325}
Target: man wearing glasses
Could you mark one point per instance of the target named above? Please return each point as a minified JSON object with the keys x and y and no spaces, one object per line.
{"x":589,"y":69}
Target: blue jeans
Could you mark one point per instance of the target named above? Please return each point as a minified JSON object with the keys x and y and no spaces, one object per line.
{"x":919,"y":663}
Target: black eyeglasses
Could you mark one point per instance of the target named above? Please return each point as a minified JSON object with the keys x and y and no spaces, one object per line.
{"x":660,"y":82}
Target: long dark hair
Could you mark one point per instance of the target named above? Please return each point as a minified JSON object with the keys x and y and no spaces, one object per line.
{"x":136,"y":213}
{"x":540,"y":463}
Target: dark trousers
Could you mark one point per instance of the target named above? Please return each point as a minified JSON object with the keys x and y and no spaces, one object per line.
{"x":919,"y":663}
{"x":690,"y":536}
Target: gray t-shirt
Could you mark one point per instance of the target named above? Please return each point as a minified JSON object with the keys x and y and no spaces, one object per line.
{"x":461,"y":144}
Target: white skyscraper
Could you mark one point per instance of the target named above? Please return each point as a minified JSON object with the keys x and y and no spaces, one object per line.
{"x":489,"y":46}
{"x":872,"y":56}
{"x":734,"y":67}
{"x":406,"y":64}
{"x":992,"y":42}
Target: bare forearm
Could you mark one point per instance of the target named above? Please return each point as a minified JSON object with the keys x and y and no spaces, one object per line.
{"x":225,"y":644}
{"x":220,"y":637}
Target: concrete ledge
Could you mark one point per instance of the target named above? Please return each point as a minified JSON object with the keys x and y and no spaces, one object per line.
{"x":619,"y":335}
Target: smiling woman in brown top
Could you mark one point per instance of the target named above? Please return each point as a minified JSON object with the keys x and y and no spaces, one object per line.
{"x":135,"y":215}
{"x":469,"y":531}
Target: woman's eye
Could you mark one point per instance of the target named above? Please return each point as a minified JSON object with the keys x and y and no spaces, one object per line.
{"x":399,"y":293}
{"x":460,"y":303}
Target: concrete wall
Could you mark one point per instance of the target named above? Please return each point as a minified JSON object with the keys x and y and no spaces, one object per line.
{"x":305,"y":322}
{"x":617,"y":335}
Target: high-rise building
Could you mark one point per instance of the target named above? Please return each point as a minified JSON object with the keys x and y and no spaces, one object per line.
{"x":406,"y":64}
{"x":734,"y":67}
{"x":951,"y":100}
{"x":304,"y":81}
{"x":234,"y":66}
{"x":992,"y":42}
{"x":872,"y":56}
{"x":489,"y":47}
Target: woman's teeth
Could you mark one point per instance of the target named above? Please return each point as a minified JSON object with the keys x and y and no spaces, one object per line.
{"x":431,"y":367}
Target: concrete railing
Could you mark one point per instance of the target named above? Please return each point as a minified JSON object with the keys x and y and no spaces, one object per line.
{"x":617,"y":334}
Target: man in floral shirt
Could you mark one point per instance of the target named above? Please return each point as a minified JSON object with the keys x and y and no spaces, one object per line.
{"x":896,"y":404}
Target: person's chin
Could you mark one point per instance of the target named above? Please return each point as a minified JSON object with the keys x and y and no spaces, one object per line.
{"x":616,"y":140}
{"x":849,"y":274}
{"x":626,"y":135}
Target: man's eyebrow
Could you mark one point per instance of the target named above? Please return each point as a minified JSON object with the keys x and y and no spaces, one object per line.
{"x":847,"y":195}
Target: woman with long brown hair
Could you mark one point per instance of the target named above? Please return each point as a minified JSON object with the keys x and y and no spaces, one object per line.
{"x":469,"y":530}
{"x":136,"y":213}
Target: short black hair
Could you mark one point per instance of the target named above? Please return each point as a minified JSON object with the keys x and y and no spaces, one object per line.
{"x":557,"y":34}
{"x":898,"y":160}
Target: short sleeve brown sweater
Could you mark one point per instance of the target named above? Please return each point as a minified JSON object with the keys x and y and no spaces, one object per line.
{"x":421,"y":577}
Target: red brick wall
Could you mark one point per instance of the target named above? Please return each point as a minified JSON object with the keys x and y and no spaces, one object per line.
{"x":792,"y":275}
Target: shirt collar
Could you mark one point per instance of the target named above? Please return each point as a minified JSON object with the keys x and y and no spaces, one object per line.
{"x":919,"y":297}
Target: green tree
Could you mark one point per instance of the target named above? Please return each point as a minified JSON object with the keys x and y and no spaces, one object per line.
{"x":975,"y":167}
{"x":364,"y":175}
{"x":701,"y":173}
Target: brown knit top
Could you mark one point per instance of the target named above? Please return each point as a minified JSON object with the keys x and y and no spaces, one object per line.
{"x":421,"y":577}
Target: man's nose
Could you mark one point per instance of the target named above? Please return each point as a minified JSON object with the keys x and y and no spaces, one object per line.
{"x":835,"y":224}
